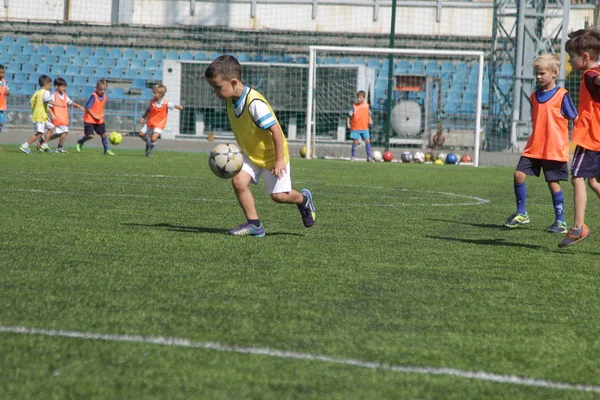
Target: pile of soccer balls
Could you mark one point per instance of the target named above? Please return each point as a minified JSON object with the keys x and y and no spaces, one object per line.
{"x":421,"y":157}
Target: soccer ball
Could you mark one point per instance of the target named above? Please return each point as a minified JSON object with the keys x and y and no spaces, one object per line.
{"x":388,"y":156}
{"x":441,"y":156}
{"x":466,"y":159}
{"x":451,"y":158}
{"x":303,"y":152}
{"x":438,"y":162}
{"x":419,"y":157}
{"x":429,"y":157}
{"x":377,"y":156}
{"x":115,"y":138}
{"x":406,"y":157}
{"x":226,"y":160}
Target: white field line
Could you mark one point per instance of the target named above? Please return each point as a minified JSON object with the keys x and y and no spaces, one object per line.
{"x":179,"y":342}
{"x":476,"y":200}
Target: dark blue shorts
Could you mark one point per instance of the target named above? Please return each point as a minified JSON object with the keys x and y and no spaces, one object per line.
{"x":89,"y":129}
{"x":586,"y":163}
{"x":553,"y":170}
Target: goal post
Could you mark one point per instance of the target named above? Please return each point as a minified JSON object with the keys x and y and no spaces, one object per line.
{"x":435,"y":93}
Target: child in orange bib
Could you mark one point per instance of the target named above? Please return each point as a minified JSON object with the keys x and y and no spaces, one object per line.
{"x":155,"y":118}
{"x":93,"y":119}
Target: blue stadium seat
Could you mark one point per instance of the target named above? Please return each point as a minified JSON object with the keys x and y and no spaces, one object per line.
{"x":258,"y":58}
{"x":288,"y":59}
{"x":402,"y":67}
{"x":86,"y":52}
{"x":117,"y":93}
{"x":374,"y":63}
{"x":93,"y":62}
{"x":122,"y":63}
{"x":57,"y":70}
{"x":138,"y":84}
{"x":80,"y":80}
{"x":16,"y":88}
{"x":144,"y":54}
{"x":158,"y":55}
{"x":43,"y":50}
{"x":87,"y":90}
{"x":129,"y":54}
{"x":29,"y":49}
{"x":130,"y":73}
{"x":116,"y":73}
{"x":137,"y":63}
{"x":7,"y":58}
{"x":172,"y":55}
{"x":28,"y":68}
{"x":157,"y":75}
{"x":152,"y":64}
{"x":102,"y":72}
{"x":146,"y":94}
{"x":417,"y":67}
{"x":145,"y":74}
{"x":242,"y":57}
{"x":330,"y":60}
{"x":72,"y":70}
{"x":301,"y":60}
{"x":101,"y":52}
{"x":200,"y":56}
{"x":73,"y":90}
{"x":452,"y":103}
{"x":22,"y":58}
{"x":15,"y":48}
{"x":71,"y":51}
{"x":20,"y":77}
{"x":79,"y":61}
{"x":108,"y":62}
{"x":36,"y":59}
{"x":345,"y":60}
{"x":57,"y":51}
{"x":114,"y":53}
{"x":64,"y":60}
{"x":273,"y":58}
{"x":87,"y":71}
{"x":358,"y":61}
{"x":7,"y":39}
{"x":22,"y":40}
{"x":33,"y":79}
{"x":432,"y":67}
{"x":186,"y":56}
{"x":212,"y":56}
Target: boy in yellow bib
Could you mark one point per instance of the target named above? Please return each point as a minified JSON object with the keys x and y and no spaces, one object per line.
{"x":41,"y":115}
{"x":261,"y":139}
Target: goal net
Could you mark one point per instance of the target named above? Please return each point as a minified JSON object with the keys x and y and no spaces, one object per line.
{"x":420,"y":100}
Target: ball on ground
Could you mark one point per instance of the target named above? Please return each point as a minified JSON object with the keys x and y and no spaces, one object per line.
{"x":406,"y":157}
{"x":303,"y":152}
{"x":451,"y":159}
{"x":388,"y":156}
{"x":419,"y":157}
{"x":376,"y":155}
{"x":115,"y":138}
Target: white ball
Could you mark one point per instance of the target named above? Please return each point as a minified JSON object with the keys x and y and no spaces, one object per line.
{"x":226,"y":160}
{"x":377,"y":156}
{"x":419,"y":157}
{"x":442,"y":156}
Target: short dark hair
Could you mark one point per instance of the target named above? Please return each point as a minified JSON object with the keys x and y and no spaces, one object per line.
{"x":361,"y":93}
{"x":225,"y":66}
{"x":584,"y":41}
{"x":44,"y":79}
{"x":60,"y":82}
{"x":1,"y":66}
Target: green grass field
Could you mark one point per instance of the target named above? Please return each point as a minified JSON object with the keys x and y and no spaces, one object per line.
{"x":407,"y":265}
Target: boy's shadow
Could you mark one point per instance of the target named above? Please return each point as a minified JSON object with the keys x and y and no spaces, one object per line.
{"x":199,"y":229}
{"x":489,"y":226}
{"x":487,"y":242}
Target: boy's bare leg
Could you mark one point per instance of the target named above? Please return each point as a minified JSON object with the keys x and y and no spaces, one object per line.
{"x":579,"y":201}
{"x":241,"y":186}
{"x":292,"y":197}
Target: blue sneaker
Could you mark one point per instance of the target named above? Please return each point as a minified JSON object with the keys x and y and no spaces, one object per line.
{"x":558,"y":227}
{"x":25,"y":150}
{"x":309,"y":212}
{"x":247,"y":229}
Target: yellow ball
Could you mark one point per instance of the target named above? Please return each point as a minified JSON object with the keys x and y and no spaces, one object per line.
{"x":438,"y":162}
{"x":303,"y":152}
{"x":115,"y":138}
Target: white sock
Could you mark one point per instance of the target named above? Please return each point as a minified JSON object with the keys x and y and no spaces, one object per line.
{"x":25,"y":145}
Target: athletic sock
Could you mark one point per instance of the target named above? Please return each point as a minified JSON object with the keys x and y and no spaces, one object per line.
{"x":105,"y":143}
{"x":521,"y":197}
{"x":368,"y":147}
{"x":558,"y":201}
{"x":353,"y":153}
{"x":254,"y":222}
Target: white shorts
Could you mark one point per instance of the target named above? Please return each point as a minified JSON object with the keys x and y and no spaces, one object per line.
{"x":42,"y":127}
{"x":272,"y":184}
{"x":61,"y":129}
{"x":149,"y":131}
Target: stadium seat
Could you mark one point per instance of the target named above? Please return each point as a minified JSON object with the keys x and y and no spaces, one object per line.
{"x":145,"y":74}
{"x":273,"y":58}
{"x":7,"y":58}
{"x":64,"y":60}
{"x":28,"y":68}
{"x":130,"y":73}
{"x":358,"y":61}
{"x":114,"y":53}
{"x":43,"y":69}
{"x":117,"y":93}
{"x":102,"y":72}
{"x":80,"y":80}
{"x":71,"y":51}
{"x":212,"y":56}
{"x":172,"y":55}
{"x":138,"y":84}
{"x":15,"y":48}
{"x":401,"y":67}
{"x":86,"y":52}
{"x":452,"y":103}
{"x":22,"y":58}
{"x":258,"y":58}
{"x":122,"y":63}
{"x":144,"y":55}
{"x":137,"y":63}
{"x":374,"y":63}
{"x":20,"y":77}
{"x":72,"y":90}
{"x":93,"y":62}
{"x":108,"y":62}
{"x":146,"y":94}
{"x":100,"y":52}
{"x":417,"y":67}
{"x":200,"y":56}
{"x":36,"y":59}
{"x":43,"y":50}
{"x":158,"y":55}
{"x":186,"y":56}
{"x":33,"y":79}
{"x":79,"y":61}
{"x":301,"y":60}
{"x":7,"y":39}
{"x":345,"y":60}
{"x":57,"y":51}
{"x":242,"y":57}
{"x":152,"y":64}
{"x":288,"y":59}
{"x":330,"y":60}
{"x":22,"y":40}
{"x":72,"y":70}
{"x":157,"y":75}
{"x":57,"y":70}
{"x":87,"y":71}
{"x":129,"y":54}
{"x":432,"y":67}
{"x":29,"y":49}
{"x":116,"y":73}
{"x":87,"y":90}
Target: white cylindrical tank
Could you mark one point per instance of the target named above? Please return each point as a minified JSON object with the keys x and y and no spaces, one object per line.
{"x":407,"y":119}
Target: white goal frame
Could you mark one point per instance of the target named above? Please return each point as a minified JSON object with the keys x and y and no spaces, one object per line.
{"x":310,"y":108}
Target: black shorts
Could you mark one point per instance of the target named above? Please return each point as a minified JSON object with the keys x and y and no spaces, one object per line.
{"x":553,"y":170}
{"x":89,"y":129}
{"x":586,"y":163}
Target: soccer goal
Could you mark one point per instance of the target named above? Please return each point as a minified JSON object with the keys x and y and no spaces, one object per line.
{"x":437,"y":98}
